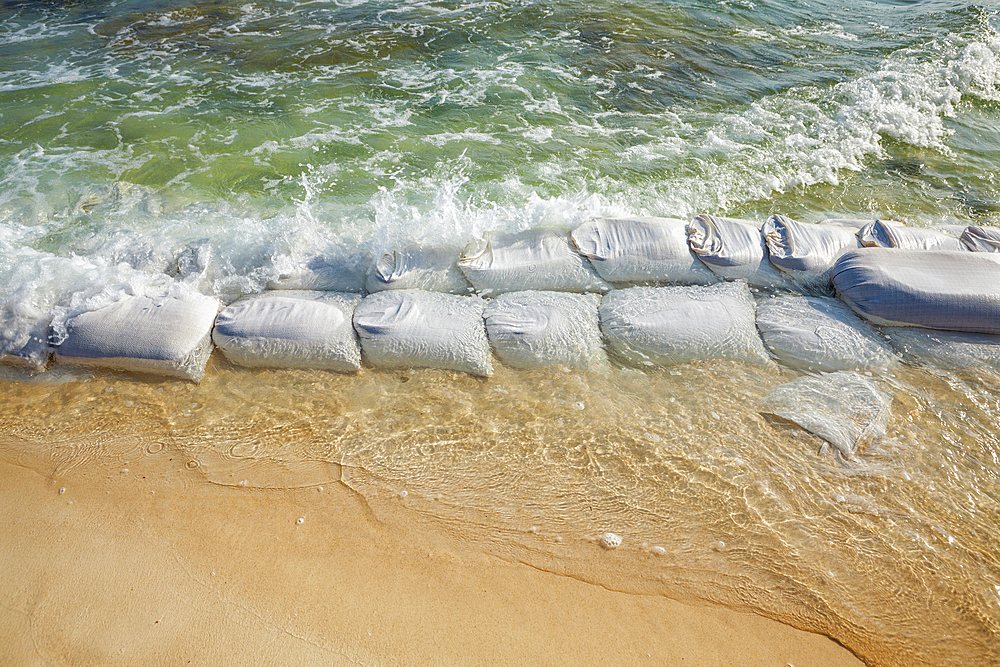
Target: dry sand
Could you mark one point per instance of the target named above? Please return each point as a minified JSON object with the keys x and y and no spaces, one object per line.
{"x":134,"y":558}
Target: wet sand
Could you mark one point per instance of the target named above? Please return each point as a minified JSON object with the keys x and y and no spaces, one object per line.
{"x":134,"y":557}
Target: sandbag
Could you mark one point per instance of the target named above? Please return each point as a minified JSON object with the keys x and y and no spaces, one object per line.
{"x":641,"y":250}
{"x":949,"y":350}
{"x":853,"y":223}
{"x":320,"y":272}
{"x":419,"y":267}
{"x":414,"y":328}
{"x":846,"y":409}
{"x":166,"y":336}
{"x":663,"y":326}
{"x":981,"y":239}
{"x":820,"y":335}
{"x":883,"y":234}
{"x":734,"y":250}
{"x":804,"y":251}
{"x":538,"y":259}
{"x":24,"y":345}
{"x":958,"y":291}
{"x":534,"y":329}
{"x":291,"y":329}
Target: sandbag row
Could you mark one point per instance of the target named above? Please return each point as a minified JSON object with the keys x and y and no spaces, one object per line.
{"x":639,"y":326}
{"x":602,"y":253}
{"x":417,"y":328}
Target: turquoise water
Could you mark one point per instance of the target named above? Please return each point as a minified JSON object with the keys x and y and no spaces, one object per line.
{"x":137,"y":135}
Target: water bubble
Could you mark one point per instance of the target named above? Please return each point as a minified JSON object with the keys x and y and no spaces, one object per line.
{"x":62,"y":490}
{"x":658,"y":551}
{"x":611,"y":541}
{"x":301,"y":520}
{"x":403,"y":493}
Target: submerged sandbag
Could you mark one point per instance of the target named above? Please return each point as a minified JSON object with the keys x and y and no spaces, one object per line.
{"x":981,"y":239}
{"x":820,"y":335}
{"x":663,"y":326}
{"x":419,"y":267}
{"x":165,"y":336}
{"x":291,"y":329}
{"x":804,"y":251}
{"x":734,"y":250}
{"x":534,"y":329}
{"x":949,"y":350}
{"x":320,"y":272}
{"x":414,"y":328}
{"x":538,"y":259}
{"x":846,"y":409}
{"x":884,"y":234}
{"x":958,"y":291}
{"x":25,"y":345}
{"x":641,"y":250}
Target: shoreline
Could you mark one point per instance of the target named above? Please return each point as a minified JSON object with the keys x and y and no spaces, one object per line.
{"x":132,"y":560}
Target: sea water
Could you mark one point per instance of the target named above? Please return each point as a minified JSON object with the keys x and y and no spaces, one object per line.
{"x":166,"y":147}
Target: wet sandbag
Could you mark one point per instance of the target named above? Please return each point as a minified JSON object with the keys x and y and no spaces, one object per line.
{"x":534,"y":329}
{"x":734,"y":250}
{"x":418,"y":329}
{"x":538,"y":259}
{"x":641,"y":250}
{"x":419,"y":267}
{"x":25,"y":344}
{"x":322,"y":273}
{"x":883,"y":234}
{"x":291,"y":329}
{"x":664,"y":326}
{"x":949,"y":350}
{"x":845,"y":409}
{"x":981,"y":239}
{"x":817,"y":334}
{"x":958,"y":291}
{"x":804,"y":251}
{"x":165,"y":336}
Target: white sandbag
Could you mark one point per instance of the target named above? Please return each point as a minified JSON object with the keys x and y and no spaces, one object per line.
{"x":950,"y":350}
{"x":804,"y":251}
{"x":291,"y":329}
{"x":981,"y":239}
{"x":413,"y":328}
{"x":734,"y":250}
{"x":534,"y":329}
{"x":538,"y":259}
{"x":663,"y":326}
{"x":24,"y":344}
{"x":320,"y":272}
{"x":820,"y":335}
{"x":883,"y":234}
{"x":419,"y":267}
{"x":166,"y":336}
{"x":844,"y":408}
{"x":958,"y":291}
{"x":641,"y":250}
{"x":853,"y":223}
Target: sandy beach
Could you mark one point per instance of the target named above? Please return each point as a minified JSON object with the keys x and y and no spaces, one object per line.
{"x":134,"y":558}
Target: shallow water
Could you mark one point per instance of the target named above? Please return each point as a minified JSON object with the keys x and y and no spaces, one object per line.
{"x":212,"y":146}
{"x":892,"y":554}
